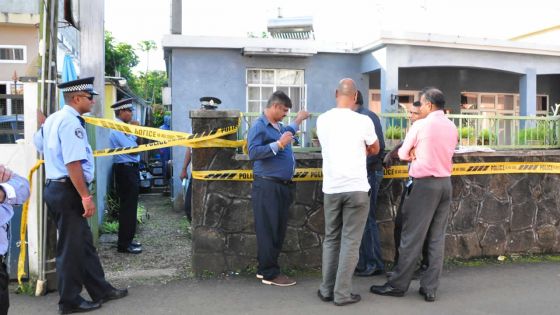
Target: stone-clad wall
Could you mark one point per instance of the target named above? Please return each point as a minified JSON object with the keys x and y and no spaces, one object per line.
{"x":490,"y":215}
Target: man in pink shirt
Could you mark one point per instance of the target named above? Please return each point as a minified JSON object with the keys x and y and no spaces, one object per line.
{"x":429,"y":146}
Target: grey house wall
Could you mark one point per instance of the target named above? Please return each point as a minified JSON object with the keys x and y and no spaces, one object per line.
{"x":222,"y":73}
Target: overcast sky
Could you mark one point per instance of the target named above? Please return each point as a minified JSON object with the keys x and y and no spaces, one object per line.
{"x":355,"y":21}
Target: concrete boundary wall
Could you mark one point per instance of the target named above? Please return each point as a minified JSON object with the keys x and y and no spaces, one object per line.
{"x":491,"y":214}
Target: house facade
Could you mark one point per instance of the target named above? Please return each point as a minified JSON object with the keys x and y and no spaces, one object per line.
{"x":478,"y":76}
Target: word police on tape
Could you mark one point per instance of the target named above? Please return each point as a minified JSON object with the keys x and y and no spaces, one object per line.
{"x":399,"y":171}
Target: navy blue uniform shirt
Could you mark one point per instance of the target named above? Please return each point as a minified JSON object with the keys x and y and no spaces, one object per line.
{"x":268,"y":159}
{"x":374,"y":160}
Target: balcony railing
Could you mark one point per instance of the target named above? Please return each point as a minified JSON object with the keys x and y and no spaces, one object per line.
{"x":495,"y":132}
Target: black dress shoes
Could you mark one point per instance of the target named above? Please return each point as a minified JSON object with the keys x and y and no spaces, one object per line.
{"x":428,"y":296}
{"x":84,"y":306}
{"x":369,"y":272}
{"x":130,"y":249}
{"x":386,"y":289}
{"x":136,"y":244}
{"x":324,"y":298}
{"x":354,"y":298}
{"x":114,"y":294}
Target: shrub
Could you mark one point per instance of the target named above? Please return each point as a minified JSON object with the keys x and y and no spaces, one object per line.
{"x":485,"y":136}
{"x":394,"y":133}
{"x":538,"y":133}
{"x":466,"y":133}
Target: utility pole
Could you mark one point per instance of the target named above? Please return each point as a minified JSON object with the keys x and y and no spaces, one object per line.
{"x":48,"y":29}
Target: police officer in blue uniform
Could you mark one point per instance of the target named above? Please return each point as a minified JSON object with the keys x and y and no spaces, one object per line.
{"x":125,"y":168}
{"x":69,"y":170}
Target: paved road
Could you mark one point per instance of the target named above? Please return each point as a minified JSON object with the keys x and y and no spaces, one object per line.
{"x":507,"y":289}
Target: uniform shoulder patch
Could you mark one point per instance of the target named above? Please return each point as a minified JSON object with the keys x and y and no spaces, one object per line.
{"x":79,"y":132}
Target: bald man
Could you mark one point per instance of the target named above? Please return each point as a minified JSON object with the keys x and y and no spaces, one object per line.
{"x":347,"y":138}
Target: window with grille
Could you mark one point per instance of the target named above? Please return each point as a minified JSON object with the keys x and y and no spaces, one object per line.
{"x":261,"y":83}
{"x":11,"y":116}
{"x":12,"y":54}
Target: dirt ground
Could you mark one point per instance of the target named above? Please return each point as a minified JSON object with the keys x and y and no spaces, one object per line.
{"x":166,"y":244}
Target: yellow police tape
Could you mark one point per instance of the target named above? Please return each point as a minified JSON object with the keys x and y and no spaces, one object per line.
{"x":23,"y":227}
{"x":399,"y":171}
{"x":168,"y":138}
{"x":165,"y":138}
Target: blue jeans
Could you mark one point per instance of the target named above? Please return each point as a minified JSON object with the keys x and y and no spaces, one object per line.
{"x":370,"y":249}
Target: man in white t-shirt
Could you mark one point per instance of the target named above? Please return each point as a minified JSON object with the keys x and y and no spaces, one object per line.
{"x":346,"y":139}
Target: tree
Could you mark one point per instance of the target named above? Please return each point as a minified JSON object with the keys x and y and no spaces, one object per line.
{"x":120,"y":58}
{"x":153,"y":82}
{"x":146,"y":46}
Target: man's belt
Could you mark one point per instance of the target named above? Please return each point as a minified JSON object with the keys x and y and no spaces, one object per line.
{"x":132,"y":164}
{"x":64,"y":179}
{"x":276,"y":180}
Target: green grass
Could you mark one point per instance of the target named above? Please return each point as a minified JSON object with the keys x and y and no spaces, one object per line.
{"x":110,"y":227}
{"x":185,"y":226}
{"x":26,"y":288}
{"x":141,"y":213}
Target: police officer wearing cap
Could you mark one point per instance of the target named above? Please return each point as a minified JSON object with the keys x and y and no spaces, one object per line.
{"x":125,"y":168}
{"x":69,"y":170}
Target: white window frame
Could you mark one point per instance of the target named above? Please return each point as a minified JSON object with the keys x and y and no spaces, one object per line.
{"x":302,"y":98}
{"x":23,"y":47}
{"x":274,"y":86}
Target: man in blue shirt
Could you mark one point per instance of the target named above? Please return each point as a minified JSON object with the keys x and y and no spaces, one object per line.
{"x":125,"y":168}
{"x":14,"y":190}
{"x":273,"y":190}
{"x":69,"y":169}
{"x":370,"y":262}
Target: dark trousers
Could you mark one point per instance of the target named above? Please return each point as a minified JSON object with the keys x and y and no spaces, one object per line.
{"x":370,"y":248}
{"x":188,"y":201}
{"x":271,"y":201}
{"x":77,"y":263}
{"x":4,"y":281}
{"x":398,"y":230}
{"x":127,"y":182}
{"x":425,"y":213}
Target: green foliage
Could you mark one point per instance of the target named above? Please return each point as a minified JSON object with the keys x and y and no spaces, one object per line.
{"x":206,"y":274}
{"x":394,"y":133}
{"x":152,"y":84}
{"x":185,"y":226}
{"x":466,"y":132}
{"x":147,"y":45}
{"x":110,"y":227}
{"x":158,"y":112}
{"x":26,"y":288}
{"x":120,"y":58}
{"x":112,"y":206}
{"x":485,"y":136}
{"x":538,"y":133}
{"x":141,"y":213}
